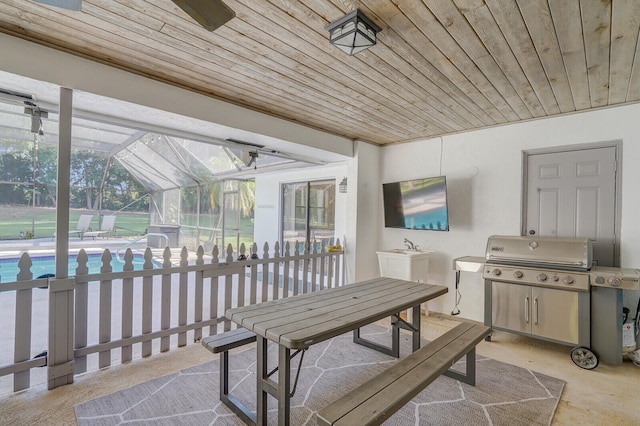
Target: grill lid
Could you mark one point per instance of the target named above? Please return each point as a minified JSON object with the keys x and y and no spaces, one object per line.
{"x":547,"y":252}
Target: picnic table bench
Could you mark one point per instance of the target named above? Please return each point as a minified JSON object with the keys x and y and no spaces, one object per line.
{"x":222,"y":344}
{"x":376,"y":400}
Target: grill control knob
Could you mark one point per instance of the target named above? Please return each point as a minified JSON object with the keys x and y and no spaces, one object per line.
{"x":542,"y":277}
{"x":568,"y":280}
{"x":555,"y":278}
{"x":518,"y":274}
{"x":496,"y":272}
{"x":599,"y":280}
{"x":614,"y":281}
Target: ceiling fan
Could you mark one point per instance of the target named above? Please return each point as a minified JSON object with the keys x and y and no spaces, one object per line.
{"x":211,"y":14}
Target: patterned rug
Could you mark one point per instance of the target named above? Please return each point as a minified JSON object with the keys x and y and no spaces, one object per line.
{"x":504,"y":394}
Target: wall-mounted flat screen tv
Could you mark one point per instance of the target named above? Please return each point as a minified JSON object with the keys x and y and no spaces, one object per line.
{"x":416,"y":204}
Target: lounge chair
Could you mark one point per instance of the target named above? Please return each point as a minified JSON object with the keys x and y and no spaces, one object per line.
{"x":83,"y":225}
{"x":106,"y":227}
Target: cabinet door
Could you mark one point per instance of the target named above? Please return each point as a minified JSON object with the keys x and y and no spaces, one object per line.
{"x":554,"y":314}
{"x":510,"y":306}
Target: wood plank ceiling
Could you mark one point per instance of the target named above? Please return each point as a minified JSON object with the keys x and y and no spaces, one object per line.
{"x":440,"y":66}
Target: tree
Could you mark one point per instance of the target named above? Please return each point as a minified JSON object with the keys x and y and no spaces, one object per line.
{"x":121,"y":189}
{"x":86,"y":175}
{"x":87,"y":169}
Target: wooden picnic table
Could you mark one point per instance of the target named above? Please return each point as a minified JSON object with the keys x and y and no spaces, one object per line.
{"x":300,"y":321}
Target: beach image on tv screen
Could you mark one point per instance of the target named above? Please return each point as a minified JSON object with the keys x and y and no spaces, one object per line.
{"x":424,"y":204}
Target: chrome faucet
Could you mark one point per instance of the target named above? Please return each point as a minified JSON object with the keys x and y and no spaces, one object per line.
{"x":410,"y":245}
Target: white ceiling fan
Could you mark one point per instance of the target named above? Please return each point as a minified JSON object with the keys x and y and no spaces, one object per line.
{"x":211,"y":14}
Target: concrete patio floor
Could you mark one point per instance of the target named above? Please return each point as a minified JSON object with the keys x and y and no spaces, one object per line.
{"x":606,"y":395}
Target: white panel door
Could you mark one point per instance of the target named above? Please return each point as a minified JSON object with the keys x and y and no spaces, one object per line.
{"x":573,"y":194}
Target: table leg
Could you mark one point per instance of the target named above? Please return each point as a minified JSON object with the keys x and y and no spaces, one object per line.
{"x":396,"y":324}
{"x":261,"y":373}
{"x":393,"y":351}
{"x":416,"y":326}
{"x":284,"y":382}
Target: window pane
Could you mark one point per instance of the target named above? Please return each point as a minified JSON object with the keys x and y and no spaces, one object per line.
{"x":294,"y":212}
{"x":322,"y":211}
{"x":308,"y":212}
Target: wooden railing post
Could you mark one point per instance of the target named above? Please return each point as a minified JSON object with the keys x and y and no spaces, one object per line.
{"x":165,"y":305}
{"x":22,"y":347}
{"x":60,"y":353}
{"x":104,"y":326}
{"x":147,"y":302}
{"x":182,"y":297}
{"x":81,"y":307}
{"x":127,"y":306}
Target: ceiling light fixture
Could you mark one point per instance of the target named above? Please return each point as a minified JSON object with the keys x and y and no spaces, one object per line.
{"x":65,"y":4}
{"x":353,"y":33}
{"x":211,"y":14}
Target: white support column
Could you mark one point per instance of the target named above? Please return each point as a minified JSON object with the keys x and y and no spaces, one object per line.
{"x":60,"y":354}
{"x":364,"y":207}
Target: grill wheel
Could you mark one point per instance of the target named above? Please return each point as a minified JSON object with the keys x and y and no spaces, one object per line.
{"x":584,"y":358}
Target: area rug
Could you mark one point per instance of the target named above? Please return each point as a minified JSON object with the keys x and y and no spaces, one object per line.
{"x":504,"y":394}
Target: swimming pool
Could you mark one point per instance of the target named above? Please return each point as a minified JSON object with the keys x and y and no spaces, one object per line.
{"x":41,"y":265}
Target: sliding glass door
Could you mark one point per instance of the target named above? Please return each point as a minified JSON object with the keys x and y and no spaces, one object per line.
{"x":308,"y":212}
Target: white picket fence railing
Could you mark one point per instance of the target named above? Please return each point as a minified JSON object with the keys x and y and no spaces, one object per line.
{"x":105,"y":318}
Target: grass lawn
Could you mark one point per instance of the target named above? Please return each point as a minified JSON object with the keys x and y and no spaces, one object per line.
{"x":14,"y":219}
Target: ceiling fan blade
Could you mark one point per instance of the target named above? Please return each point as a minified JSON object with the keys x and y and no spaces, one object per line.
{"x":211,"y":14}
{"x":65,"y":4}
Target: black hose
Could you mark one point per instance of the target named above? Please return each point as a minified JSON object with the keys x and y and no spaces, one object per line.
{"x":637,"y":318}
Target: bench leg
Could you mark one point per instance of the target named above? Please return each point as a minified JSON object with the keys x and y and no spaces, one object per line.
{"x":229,"y":400}
{"x":469,"y":377}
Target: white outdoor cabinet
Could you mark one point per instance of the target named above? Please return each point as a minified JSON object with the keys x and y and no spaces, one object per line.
{"x":410,"y":265}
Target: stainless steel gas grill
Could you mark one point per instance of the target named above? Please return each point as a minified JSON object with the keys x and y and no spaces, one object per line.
{"x":540,"y":287}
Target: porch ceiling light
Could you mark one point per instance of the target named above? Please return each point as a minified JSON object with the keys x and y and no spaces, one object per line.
{"x":353,"y":33}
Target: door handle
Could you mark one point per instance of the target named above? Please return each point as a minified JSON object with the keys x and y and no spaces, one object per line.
{"x":526,"y":310}
{"x":535,"y":311}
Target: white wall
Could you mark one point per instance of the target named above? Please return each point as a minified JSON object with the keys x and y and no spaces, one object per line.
{"x":484,"y":177}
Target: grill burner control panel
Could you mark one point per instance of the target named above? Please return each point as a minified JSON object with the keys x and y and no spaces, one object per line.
{"x":626,"y":279}
{"x":568,"y":280}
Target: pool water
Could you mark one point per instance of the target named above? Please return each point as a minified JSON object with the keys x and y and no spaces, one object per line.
{"x":42,"y":265}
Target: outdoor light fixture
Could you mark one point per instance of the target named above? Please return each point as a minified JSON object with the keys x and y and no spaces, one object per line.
{"x":353,"y":33}
{"x":343,"y":185}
